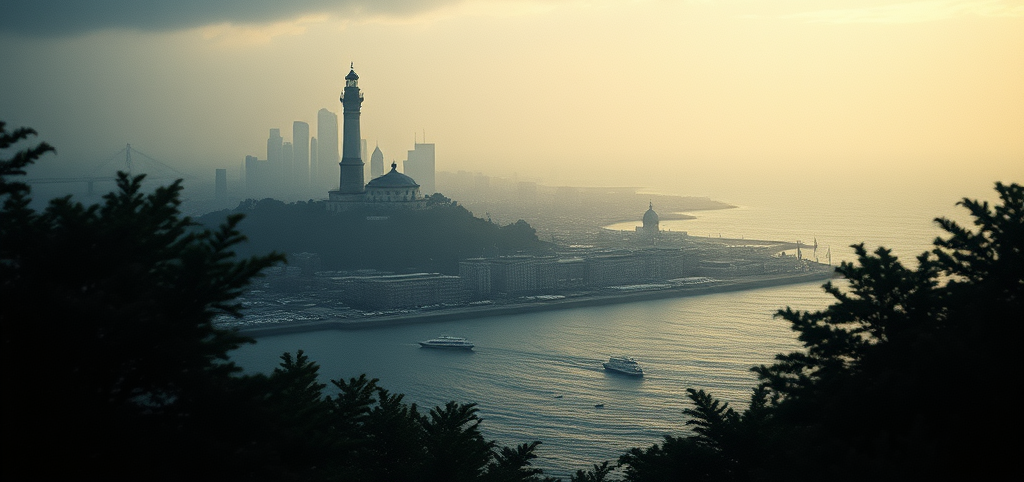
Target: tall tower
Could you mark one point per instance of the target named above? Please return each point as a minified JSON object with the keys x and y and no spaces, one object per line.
{"x":300,"y":155}
{"x":327,"y":148}
{"x":274,"y":147}
{"x":351,"y":157}
{"x":376,"y":163}
{"x":420,"y":166}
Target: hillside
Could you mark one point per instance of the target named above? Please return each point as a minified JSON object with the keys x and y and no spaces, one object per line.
{"x":432,"y":239}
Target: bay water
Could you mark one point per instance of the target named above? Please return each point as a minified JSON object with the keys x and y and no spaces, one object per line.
{"x":538,"y":376}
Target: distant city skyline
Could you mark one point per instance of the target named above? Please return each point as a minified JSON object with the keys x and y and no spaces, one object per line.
{"x":699,"y":98}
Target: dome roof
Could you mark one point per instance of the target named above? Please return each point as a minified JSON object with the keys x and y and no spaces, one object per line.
{"x":352,"y":75}
{"x":392,"y":179}
{"x":650,"y":217}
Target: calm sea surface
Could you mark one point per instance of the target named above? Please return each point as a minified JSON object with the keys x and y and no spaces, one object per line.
{"x":539,"y":376}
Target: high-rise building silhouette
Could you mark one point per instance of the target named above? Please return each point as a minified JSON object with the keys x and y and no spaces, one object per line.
{"x":420,"y":166}
{"x":253,"y":176}
{"x":314,"y":148}
{"x":274,"y":143}
{"x":351,"y":176}
{"x":327,"y":149}
{"x":300,"y":155}
{"x":376,"y":163}
{"x":287,"y":163}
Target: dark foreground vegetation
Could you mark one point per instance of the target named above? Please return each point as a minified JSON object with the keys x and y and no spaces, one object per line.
{"x":114,"y":371}
{"x":433,"y":239}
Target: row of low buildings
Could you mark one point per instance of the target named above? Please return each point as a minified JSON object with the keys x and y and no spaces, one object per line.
{"x":485,"y":278}
{"x":513,"y":276}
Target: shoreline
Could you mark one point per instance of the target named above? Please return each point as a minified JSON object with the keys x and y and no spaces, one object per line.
{"x":486,"y":311}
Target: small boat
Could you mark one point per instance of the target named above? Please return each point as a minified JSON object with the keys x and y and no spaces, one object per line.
{"x":600,"y":405}
{"x":624,"y":365}
{"x":449,"y":342}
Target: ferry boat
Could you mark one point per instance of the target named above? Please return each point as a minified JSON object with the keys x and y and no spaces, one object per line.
{"x":624,"y":365}
{"x":450,"y":342}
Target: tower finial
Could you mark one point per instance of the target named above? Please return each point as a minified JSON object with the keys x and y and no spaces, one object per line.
{"x":352,"y":65}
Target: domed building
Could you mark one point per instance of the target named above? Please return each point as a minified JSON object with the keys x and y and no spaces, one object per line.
{"x":395,"y":189}
{"x":649,"y":231}
{"x":650,"y":219}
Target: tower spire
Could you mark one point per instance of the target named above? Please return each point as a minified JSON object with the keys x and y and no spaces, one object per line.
{"x":351,"y":180}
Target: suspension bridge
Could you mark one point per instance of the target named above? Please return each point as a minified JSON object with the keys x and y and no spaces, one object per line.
{"x":128,"y":159}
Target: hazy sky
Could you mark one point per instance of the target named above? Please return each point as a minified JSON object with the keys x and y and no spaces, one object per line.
{"x":686,"y":96}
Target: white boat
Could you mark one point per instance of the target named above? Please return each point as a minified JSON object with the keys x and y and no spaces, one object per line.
{"x":450,"y":342}
{"x":624,"y":365}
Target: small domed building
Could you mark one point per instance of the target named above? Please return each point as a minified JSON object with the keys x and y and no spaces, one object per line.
{"x":651,"y":219}
{"x":649,"y":231}
{"x":394,"y":189}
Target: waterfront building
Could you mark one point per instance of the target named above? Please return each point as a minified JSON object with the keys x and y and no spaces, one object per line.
{"x":649,"y":231}
{"x":475,"y":274}
{"x":387,"y":292}
{"x":518,"y":275}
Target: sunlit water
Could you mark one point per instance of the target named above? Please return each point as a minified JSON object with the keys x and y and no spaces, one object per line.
{"x":538,"y":376}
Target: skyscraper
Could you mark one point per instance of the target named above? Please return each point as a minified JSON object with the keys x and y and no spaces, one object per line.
{"x":376,"y":163}
{"x":327,"y":149}
{"x":314,"y":169}
{"x":420,"y":166}
{"x":274,"y":147}
{"x":287,"y":163}
{"x":300,"y":155}
{"x":253,"y":176}
{"x":351,"y":179}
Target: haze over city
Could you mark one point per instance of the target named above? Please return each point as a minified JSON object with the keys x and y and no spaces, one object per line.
{"x":637,"y":240}
{"x":699,"y":98}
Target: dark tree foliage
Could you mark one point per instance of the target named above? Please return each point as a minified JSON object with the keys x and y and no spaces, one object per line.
{"x":107,"y":312}
{"x":433,"y":239}
{"x":114,"y":369}
{"x":909,"y":375}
